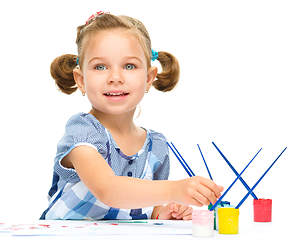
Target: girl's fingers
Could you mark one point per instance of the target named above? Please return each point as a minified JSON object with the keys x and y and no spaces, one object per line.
{"x":201,"y":196}
{"x":208,"y":195}
{"x":175,"y":211}
{"x":167,"y":209}
{"x":188,"y":217}
{"x":221,"y":188}
{"x":184,"y":213}
{"x":178,"y":210}
{"x":209,"y":184}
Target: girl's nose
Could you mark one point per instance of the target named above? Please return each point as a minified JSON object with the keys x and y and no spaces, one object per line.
{"x":115,"y":77}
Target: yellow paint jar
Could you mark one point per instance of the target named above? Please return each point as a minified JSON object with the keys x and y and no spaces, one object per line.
{"x":228,"y":219}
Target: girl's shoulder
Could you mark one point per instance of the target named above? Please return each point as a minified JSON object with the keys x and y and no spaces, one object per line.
{"x":159,"y":144}
{"x":84,"y":120}
{"x":157,"y":136}
{"x":84,"y":128}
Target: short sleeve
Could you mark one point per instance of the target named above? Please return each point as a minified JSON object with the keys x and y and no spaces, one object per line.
{"x":81,"y":129}
{"x":160,"y":150}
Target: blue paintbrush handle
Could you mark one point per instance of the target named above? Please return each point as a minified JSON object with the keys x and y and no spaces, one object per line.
{"x":234,"y":170}
{"x":185,"y":168}
{"x":221,"y":198}
{"x":204,"y":162}
{"x":252,"y":189}
{"x":185,"y":163}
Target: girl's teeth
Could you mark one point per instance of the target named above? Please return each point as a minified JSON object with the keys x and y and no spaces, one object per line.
{"x":115,"y":94}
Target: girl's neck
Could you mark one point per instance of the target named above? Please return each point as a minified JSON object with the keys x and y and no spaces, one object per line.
{"x":129,"y":137}
{"x":120,"y":124}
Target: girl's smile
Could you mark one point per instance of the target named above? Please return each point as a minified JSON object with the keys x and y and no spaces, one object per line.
{"x":116,"y":95}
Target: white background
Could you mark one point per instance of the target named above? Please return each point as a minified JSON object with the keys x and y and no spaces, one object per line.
{"x":233,"y":90}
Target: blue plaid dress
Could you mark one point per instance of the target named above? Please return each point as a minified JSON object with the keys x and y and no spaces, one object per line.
{"x":70,"y":199}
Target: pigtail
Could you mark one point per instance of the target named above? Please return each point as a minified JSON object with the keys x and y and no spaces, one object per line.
{"x":168,"y":78}
{"x":61,"y":70}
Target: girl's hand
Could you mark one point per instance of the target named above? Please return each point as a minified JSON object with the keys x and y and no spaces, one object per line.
{"x":175,"y":211}
{"x":196,"y":191}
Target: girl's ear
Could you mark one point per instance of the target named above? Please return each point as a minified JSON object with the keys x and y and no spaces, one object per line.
{"x":79,"y":79}
{"x":151,"y":75}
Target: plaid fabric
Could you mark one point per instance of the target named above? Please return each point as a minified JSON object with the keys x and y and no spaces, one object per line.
{"x":69,"y":198}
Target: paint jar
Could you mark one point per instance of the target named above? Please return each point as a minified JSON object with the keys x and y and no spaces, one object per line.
{"x":202,"y":223}
{"x":228,"y":219}
{"x":221,"y":204}
{"x":262,"y":210}
{"x":217,"y":216}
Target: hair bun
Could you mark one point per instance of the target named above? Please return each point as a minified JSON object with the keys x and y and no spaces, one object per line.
{"x":61,"y":70}
{"x":169,"y":77}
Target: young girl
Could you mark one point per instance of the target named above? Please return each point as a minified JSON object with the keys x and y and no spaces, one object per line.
{"x":105,"y":164}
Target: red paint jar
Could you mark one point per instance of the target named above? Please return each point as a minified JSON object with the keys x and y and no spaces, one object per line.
{"x":262,"y":210}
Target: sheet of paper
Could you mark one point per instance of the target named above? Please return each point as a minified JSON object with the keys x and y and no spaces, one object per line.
{"x":85,"y":228}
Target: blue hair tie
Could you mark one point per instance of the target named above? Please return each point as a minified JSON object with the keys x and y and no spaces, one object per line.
{"x":77,"y":61}
{"x":154,"y":55}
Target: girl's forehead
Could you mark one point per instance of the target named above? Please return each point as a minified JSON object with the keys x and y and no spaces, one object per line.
{"x":114,"y":39}
{"x":113,"y":35}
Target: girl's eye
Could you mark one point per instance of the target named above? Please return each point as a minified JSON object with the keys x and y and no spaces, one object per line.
{"x":129,"y":67}
{"x":100,"y":67}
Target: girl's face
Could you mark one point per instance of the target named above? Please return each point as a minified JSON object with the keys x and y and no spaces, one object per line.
{"x":114,"y":75}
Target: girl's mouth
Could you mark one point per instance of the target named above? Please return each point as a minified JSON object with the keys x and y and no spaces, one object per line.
{"x":115,"y":94}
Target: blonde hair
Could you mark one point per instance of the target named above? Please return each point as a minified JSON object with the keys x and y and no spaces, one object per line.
{"x":62,"y":67}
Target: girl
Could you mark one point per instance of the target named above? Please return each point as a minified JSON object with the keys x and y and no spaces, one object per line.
{"x":104,"y":162}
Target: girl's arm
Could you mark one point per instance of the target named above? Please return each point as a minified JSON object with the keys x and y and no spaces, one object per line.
{"x":129,"y":193}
